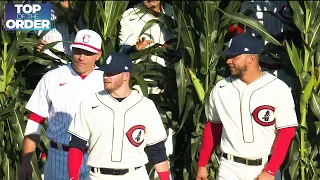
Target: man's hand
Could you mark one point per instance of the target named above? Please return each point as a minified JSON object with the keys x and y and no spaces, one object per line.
{"x":25,"y":172}
{"x":38,"y":47}
{"x":202,"y":173}
{"x":142,"y":43}
{"x":264,"y":176}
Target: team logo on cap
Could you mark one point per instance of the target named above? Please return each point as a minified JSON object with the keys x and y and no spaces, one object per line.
{"x":135,"y":135}
{"x":109,"y":59}
{"x":230,"y":43}
{"x":264,"y":115}
{"x":86,"y":38}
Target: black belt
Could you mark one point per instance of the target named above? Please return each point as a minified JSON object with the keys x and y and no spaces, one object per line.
{"x":113,"y":171}
{"x":250,"y":162}
{"x":64,"y":147}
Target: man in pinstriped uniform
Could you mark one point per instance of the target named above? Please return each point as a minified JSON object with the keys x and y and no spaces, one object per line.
{"x":57,"y":97}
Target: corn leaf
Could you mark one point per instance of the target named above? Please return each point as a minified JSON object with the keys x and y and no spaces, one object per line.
{"x":181,"y":84}
{"x":294,"y":58}
{"x":314,"y":33}
{"x":298,"y":15}
{"x":315,"y":104}
{"x":252,"y":23}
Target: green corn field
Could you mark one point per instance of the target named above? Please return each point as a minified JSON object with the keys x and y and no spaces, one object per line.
{"x":195,"y":67}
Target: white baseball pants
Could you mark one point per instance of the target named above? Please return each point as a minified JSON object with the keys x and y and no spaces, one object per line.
{"x":230,"y":170}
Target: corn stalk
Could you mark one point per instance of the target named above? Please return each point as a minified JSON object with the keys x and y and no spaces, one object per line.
{"x":306,"y":64}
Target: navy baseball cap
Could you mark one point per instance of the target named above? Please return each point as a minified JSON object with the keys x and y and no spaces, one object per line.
{"x":244,"y":44}
{"x":116,"y":63}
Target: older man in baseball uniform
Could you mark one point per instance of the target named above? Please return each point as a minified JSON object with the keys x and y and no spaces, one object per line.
{"x":252,"y":112}
{"x":57,"y":97}
{"x":123,"y":129}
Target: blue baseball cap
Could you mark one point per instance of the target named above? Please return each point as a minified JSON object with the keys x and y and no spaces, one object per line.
{"x":117,"y":63}
{"x":244,"y":44}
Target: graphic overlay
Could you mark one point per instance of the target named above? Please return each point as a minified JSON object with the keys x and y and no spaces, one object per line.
{"x":28,"y":16}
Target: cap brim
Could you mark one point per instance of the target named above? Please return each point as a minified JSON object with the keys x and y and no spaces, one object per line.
{"x":83,"y":47}
{"x":110,"y":70}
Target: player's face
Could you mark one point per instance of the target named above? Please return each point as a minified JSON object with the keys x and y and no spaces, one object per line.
{"x":83,"y":62}
{"x":113,"y":82}
{"x":151,"y":4}
{"x":237,"y":65}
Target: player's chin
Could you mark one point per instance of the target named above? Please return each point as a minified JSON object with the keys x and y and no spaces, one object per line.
{"x":108,"y":86}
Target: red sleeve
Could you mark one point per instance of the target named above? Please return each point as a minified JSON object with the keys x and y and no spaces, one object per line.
{"x":74,"y":163}
{"x":280,"y":148}
{"x":211,"y":137}
{"x":164,"y":175}
{"x":36,"y":118}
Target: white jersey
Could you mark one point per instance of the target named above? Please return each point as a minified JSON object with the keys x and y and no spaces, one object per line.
{"x":118,"y":132}
{"x":57,"y":97}
{"x":132,"y":23}
{"x":251,"y":114}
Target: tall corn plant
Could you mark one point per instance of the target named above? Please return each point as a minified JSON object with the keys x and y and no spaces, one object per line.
{"x":305,"y":150}
{"x":103,"y":17}
{"x":12,"y":91}
{"x":201,"y":34}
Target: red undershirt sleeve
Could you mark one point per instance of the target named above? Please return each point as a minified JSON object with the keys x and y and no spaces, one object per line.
{"x":211,"y":137}
{"x":36,"y":118}
{"x":74,"y":163}
{"x":280,"y":148}
{"x":164,"y":175}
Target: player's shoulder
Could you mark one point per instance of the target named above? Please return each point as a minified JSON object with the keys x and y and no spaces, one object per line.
{"x":97,"y":72}
{"x":143,"y":100}
{"x":278,"y":83}
{"x":59,"y":71}
{"x":131,"y":12}
{"x":223,"y":83}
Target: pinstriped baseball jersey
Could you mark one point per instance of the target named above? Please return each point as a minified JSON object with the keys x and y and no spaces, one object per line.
{"x":118,"y":132}
{"x":57,"y":97}
{"x":252,"y":113}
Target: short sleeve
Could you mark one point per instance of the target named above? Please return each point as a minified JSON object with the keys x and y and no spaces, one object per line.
{"x":212,"y":111}
{"x":39,"y":101}
{"x":285,"y":113}
{"x":155,"y":130}
{"x":79,"y":126}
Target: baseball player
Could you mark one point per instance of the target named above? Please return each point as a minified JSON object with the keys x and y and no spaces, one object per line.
{"x":132,"y":39}
{"x":123,"y":129}
{"x":252,"y":112}
{"x":57,"y":97}
{"x":276,"y":17}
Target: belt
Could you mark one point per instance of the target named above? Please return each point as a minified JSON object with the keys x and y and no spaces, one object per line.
{"x":249,"y":162}
{"x":112,"y":171}
{"x":64,"y":147}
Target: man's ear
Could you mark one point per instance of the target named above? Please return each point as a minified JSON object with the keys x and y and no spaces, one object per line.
{"x":98,"y":55}
{"x":127,"y":76}
{"x":252,"y":58}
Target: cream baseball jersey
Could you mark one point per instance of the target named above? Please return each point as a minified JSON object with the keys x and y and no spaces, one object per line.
{"x":253,"y":113}
{"x":57,"y":97}
{"x":132,"y":22}
{"x":118,"y":132}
